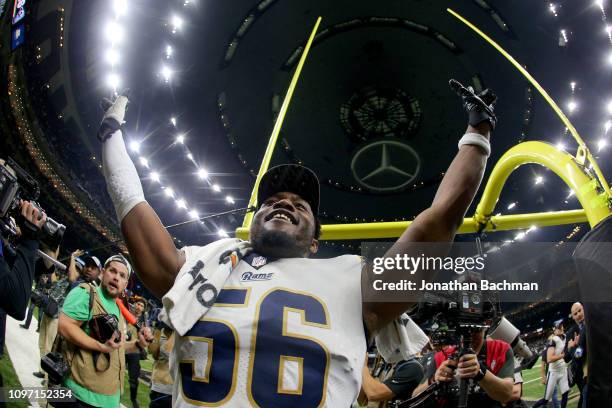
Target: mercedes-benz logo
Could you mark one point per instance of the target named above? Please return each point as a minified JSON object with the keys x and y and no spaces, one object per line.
{"x":385,"y":165}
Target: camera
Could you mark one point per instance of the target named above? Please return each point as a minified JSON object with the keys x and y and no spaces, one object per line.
{"x":15,"y":185}
{"x":502,"y":329}
{"x":455,"y":316}
{"x":56,"y":367}
{"x":103,"y":326}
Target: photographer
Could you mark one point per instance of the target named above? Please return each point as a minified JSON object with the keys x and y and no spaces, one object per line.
{"x":41,"y":285}
{"x":132,"y":359}
{"x":16,"y":280}
{"x":97,"y":358}
{"x":89,"y":271}
{"x":491,"y":368}
{"x":51,"y":302}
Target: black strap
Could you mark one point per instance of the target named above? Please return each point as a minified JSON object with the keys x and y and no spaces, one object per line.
{"x":91,"y":300}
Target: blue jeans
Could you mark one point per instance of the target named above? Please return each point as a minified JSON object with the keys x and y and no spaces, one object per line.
{"x":555,"y":398}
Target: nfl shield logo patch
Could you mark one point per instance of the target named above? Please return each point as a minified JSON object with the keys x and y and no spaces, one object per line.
{"x":259,"y":261}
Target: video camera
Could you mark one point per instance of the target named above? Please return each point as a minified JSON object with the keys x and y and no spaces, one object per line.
{"x":15,"y":185}
{"x":455,"y":316}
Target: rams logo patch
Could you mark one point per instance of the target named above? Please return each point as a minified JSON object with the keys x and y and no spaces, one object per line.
{"x":250,"y":276}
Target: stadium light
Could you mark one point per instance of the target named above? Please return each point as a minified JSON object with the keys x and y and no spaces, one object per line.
{"x":177,"y":23}
{"x":112,"y":56}
{"x":113,"y":80}
{"x":601,"y":144}
{"x":166,"y":73}
{"x":120,"y":7}
{"x":135,"y":146}
{"x":202,"y":174}
{"x":114,"y":32}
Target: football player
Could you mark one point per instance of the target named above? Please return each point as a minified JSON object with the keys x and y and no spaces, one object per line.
{"x":286,"y":330}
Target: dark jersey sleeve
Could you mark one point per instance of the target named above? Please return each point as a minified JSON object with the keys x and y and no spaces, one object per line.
{"x":405,"y":379}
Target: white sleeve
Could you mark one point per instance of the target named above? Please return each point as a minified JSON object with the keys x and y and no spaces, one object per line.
{"x":122,"y":180}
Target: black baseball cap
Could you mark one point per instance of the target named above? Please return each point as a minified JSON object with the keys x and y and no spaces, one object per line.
{"x":92,"y":261}
{"x":291,"y":178}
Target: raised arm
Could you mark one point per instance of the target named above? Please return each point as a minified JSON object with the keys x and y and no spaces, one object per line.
{"x":152,"y":250}
{"x":439,"y":223}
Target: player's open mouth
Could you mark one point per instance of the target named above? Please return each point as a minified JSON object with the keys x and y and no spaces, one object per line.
{"x":282,"y":215}
{"x":112,"y":285}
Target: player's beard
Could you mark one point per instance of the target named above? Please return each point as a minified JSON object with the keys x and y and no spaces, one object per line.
{"x":277,"y":244}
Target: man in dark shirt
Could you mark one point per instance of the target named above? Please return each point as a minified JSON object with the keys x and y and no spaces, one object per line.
{"x":41,"y":285}
{"x":16,"y":280}
{"x":407,"y":375}
{"x":576,"y":350}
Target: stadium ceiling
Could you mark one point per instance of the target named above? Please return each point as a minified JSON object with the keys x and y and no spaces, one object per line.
{"x":207,"y":79}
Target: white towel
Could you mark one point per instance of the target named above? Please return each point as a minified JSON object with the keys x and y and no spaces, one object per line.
{"x":199,"y":282}
{"x":400,"y":339}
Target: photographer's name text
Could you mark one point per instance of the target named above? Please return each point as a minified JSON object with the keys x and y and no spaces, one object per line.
{"x":423,"y":285}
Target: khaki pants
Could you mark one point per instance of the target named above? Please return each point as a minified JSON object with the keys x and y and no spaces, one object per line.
{"x":46,"y":336}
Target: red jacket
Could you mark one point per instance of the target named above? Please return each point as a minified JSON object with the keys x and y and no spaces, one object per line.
{"x":496,"y":355}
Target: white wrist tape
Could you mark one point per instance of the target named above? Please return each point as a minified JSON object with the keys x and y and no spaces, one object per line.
{"x":122,"y":181}
{"x":476,"y":139}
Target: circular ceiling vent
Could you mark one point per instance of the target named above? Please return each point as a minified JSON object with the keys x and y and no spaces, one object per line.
{"x":375,"y":112}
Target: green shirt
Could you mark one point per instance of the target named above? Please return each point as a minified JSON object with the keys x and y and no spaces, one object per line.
{"x":76,"y":306}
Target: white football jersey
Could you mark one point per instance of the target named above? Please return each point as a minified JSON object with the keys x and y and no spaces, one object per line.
{"x":559,"y":344}
{"x":282,"y":333}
